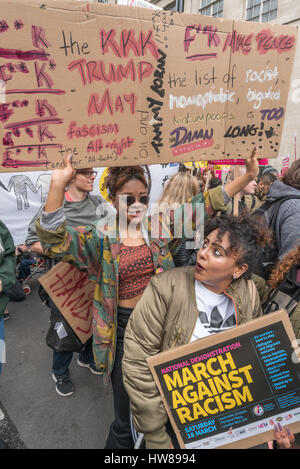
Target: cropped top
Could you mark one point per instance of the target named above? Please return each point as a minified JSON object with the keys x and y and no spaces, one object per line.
{"x":135,"y":270}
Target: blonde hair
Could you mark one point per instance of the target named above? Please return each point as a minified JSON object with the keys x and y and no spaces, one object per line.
{"x":179,"y":189}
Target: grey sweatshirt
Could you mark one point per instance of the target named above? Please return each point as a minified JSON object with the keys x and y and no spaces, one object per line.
{"x":287,"y":227}
{"x":86,"y":212}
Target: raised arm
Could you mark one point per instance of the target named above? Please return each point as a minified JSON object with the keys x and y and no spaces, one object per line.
{"x":32,"y":239}
{"x":59,"y":181}
{"x":179,"y":224}
{"x":239,"y":183}
{"x":80,"y":246}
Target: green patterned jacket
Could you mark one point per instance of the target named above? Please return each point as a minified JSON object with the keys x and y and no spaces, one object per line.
{"x":81,"y":246}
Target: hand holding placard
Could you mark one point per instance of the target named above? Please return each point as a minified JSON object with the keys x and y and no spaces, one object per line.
{"x":241,"y":181}
{"x":251,"y":164}
{"x":59,"y":181}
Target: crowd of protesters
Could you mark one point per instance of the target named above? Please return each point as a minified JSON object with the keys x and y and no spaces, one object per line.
{"x":155,"y":289}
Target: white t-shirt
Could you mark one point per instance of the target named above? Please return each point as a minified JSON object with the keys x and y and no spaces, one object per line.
{"x":216,"y":312}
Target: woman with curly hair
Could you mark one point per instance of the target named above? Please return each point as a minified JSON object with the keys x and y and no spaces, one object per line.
{"x":132,"y":252}
{"x":189,"y":303}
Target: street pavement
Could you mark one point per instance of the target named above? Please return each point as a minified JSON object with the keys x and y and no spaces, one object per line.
{"x":32,"y":414}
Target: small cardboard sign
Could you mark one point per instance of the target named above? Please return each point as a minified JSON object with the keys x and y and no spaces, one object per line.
{"x":119,"y":86}
{"x":229,"y":389}
{"x":72,"y":292}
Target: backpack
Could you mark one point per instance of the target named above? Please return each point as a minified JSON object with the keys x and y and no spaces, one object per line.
{"x":253,"y":202}
{"x":269,"y":256}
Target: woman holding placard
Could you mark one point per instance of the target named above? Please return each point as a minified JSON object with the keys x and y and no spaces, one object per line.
{"x":186,"y":304}
{"x":121,"y":258}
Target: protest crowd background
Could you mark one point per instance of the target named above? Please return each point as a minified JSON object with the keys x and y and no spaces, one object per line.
{"x":127,"y":262}
{"x":280,"y":266}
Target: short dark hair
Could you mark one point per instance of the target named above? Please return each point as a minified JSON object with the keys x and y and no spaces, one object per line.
{"x":269,"y":169}
{"x":182,"y":168}
{"x":214,"y":182}
{"x":267,"y":178}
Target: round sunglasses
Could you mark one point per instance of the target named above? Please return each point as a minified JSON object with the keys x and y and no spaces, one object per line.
{"x":130,"y":199}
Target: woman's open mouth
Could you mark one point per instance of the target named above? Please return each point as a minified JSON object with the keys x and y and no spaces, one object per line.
{"x":199,"y":268}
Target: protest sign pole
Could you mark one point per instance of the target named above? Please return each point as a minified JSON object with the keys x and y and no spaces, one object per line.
{"x":207,"y":180}
{"x":236,"y":198}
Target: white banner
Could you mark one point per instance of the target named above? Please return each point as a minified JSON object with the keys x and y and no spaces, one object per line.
{"x":21,"y":194}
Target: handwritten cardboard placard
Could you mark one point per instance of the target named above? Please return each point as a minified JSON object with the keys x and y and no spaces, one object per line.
{"x":72,"y":292}
{"x":229,"y":389}
{"x":118,"y":85}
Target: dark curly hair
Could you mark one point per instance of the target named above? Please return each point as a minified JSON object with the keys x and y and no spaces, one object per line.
{"x":248,"y":235}
{"x":117,"y":176}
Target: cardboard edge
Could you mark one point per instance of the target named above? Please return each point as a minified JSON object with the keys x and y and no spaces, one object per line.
{"x":42,"y":280}
{"x":280,"y":315}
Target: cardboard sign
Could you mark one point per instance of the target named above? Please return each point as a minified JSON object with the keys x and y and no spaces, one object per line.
{"x":72,"y":293}
{"x":229,"y":389}
{"x":119,"y":85}
{"x":238,"y":162}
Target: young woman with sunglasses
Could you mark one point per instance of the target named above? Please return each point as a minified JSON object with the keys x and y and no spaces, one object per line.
{"x":131,"y":255}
